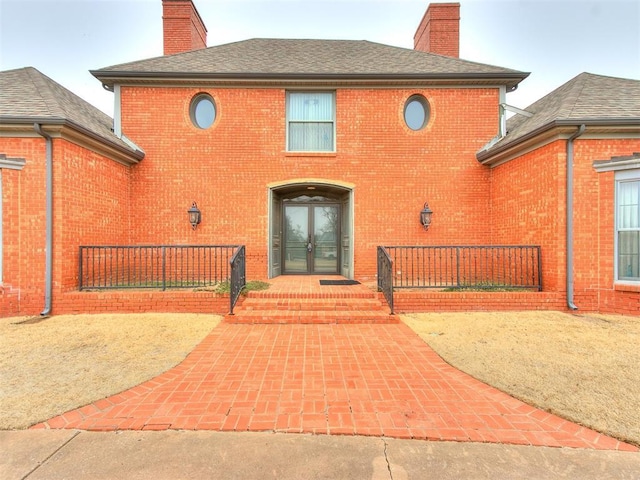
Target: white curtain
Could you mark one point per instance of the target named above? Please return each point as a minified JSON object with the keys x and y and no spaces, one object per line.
{"x":628,"y":199}
{"x":629,"y":230}
{"x":310,"y":117}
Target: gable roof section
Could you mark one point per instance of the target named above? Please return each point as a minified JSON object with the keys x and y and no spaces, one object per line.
{"x":593,"y":100}
{"x":27,"y":96}
{"x":282,"y":59}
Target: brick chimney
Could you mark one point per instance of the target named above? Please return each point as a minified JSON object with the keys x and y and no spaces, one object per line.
{"x":439,"y":30}
{"x":183,"y":28}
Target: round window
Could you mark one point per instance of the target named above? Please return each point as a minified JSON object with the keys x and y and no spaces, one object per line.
{"x":202,"y":110}
{"x":416,"y":112}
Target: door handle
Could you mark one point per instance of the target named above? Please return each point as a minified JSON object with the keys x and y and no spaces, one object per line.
{"x":309,"y":247}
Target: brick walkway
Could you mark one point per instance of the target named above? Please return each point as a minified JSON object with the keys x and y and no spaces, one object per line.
{"x":329,"y":379}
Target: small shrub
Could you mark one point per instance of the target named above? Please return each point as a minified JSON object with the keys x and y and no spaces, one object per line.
{"x":253,"y":285}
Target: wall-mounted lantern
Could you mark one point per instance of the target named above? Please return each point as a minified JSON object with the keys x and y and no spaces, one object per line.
{"x":425,"y":216}
{"x":194,"y":215}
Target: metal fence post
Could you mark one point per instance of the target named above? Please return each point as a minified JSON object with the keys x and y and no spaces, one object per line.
{"x":164,"y":268}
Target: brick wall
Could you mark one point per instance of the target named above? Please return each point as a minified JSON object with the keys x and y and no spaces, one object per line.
{"x":594,"y":217}
{"x":140,"y":301}
{"x":433,"y":301}
{"x":23,"y":227}
{"x":528,"y":208}
{"x":528,"y":201}
{"x":91,"y":206}
{"x":226,"y":169}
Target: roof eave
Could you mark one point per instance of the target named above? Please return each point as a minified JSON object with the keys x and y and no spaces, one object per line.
{"x":487,"y":157}
{"x":110,"y":78}
{"x":131,"y":156}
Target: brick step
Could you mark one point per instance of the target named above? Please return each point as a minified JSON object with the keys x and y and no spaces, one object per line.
{"x":309,"y":317}
{"x":322,"y":305}
{"x":359,"y":293}
{"x":302,"y":304}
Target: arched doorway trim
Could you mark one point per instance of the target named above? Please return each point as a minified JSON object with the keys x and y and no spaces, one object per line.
{"x":306,"y":191}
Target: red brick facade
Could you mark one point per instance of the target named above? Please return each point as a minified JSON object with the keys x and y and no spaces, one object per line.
{"x":233,"y":169}
{"x":519,"y":202}
{"x":228,"y":169}
{"x":91,"y":206}
{"x":528,"y":204}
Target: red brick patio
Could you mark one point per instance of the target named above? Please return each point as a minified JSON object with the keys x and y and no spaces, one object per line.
{"x":360,"y":379}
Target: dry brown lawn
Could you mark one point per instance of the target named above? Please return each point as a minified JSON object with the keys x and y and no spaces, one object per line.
{"x":584,"y":367}
{"x":68,"y":361}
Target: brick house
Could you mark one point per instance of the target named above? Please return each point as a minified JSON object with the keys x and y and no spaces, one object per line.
{"x":311,"y":154}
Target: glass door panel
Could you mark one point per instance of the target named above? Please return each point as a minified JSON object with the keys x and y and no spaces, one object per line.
{"x":296,"y":238}
{"x":326,"y":223}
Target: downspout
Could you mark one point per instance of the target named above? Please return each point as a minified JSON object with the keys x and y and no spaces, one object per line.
{"x":48,"y":268}
{"x":569,"y":196}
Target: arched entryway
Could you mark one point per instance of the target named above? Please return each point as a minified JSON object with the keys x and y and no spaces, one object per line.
{"x":310,"y":228}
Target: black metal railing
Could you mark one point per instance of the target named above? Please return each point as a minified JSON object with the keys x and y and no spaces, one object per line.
{"x":482,"y":267}
{"x":154,"y":266}
{"x":385,"y":276}
{"x":238,"y":276}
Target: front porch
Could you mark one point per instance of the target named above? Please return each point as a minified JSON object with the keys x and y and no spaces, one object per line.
{"x":184,"y":279}
{"x":303,"y":299}
{"x":301,"y":288}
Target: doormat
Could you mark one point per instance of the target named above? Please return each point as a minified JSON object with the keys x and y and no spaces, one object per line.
{"x":339,"y":282}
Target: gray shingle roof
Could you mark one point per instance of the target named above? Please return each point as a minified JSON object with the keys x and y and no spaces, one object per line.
{"x":587,"y":98}
{"x":307,"y":58}
{"x":27,"y":95}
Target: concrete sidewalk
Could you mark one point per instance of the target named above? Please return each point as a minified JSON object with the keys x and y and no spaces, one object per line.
{"x":71,"y":454}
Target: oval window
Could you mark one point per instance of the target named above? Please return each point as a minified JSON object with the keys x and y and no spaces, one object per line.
{"x":416,"y":112}
{"x":202,"y":110}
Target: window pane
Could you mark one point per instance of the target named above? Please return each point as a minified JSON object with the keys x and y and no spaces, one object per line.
{"x":629,"y":255}
{"x":205,"y":113}
{"x":202,"y":110}
{"x":414,"y":115}
{"x":311,"y":137}
{"x":416,"y":112}
{"x":628,"y":199}
{"x":311,"y":107}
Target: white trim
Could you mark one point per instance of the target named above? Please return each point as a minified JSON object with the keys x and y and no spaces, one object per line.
{"x":621,"y":176}
{"x":130,"y":142}
{"x":12,"y":163}
{"x":333,"y":121}
{"x":117,"y":111}
{"x":306,"y":84}
{"x":617,"y":166}
{"x":519,"y":111}
{"x":502,"y":116}
{"x":560,"y":132}
{"x":628,"y":175}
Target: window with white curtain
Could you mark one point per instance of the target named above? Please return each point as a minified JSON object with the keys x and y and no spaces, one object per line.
{"x":628,"y":225}
{"x":310,"y":121}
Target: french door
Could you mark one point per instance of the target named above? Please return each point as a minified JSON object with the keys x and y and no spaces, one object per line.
{"x":311,"y":236}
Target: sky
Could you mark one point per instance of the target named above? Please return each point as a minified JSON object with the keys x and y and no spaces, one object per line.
{"x":555,"y":40}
